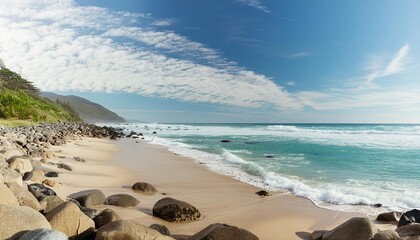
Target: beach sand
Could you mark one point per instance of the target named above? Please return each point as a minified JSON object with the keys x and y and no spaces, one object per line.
{"x":113,"y":166}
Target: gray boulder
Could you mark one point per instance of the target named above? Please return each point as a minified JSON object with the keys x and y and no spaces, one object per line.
{"x":122,"y":200}
{"x":128,"y":230}
{"x":355,"y":228}
{"x":44,"y":234}
{"x":317,"y":235}
{"x":389,"y":217}
{"x":40,"y":191}
{"x":7,"y":196}
{"x":21,"y":163}
{"x":14,"y":220}
{"x":64,"y":166}
{"x":412,"y":216}
{"x":51,"y":174}
{"x":143,"y":187}
{"x":24,"y":197}
{"x":173,"y":210}
{"x":89,"y":198}
{"x":219,"y":231}
{"x":412,"y":229}
{"x":10,"y":175}
{"x":161,"y":228}
{"x":386,"y":235}
{"x":49,"y":203}
{"x":68,"y":219}
{"x":105,"y":217}
{"x":37,"y":176}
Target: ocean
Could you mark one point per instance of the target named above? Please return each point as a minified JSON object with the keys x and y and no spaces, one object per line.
{"x":348,"y":167}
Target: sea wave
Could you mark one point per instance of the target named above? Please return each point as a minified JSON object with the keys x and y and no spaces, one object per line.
{"x":327,"y":195}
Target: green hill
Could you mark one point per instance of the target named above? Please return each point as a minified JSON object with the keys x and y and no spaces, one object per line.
{"x":87,"y":110}
{"x":20,"y":100}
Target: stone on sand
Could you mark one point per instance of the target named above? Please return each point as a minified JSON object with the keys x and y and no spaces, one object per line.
{"x":173,"y":210}
{"x":105,"y":217}
{"x":143,"y":187}
{"x":412,"y":216}
{"x":386,"y":235}
{"x":355,"y":228}
{"x":389,"y":216}
{"x":161,"y":228}
{"x":412,"y":229}
{"x":122,"y":200}
{"x":219,"y":231}
{"x":7,"y":196}
{"x":128,"y":230}
{"x":40,"y":191}
{"x":20,"y":163}
{"x":44,"y":234}
{"x":89,"y":198}
{"x":24,"y":197}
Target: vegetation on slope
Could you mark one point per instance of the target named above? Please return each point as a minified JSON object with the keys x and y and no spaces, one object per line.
{"x":20,"y":100}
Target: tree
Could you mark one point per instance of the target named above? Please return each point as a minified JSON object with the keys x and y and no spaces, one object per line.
{"x":2,"y":65}
{"x":13,"y":81}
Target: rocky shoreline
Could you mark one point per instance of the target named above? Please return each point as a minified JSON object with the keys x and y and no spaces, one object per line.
{"x":30,"y":208}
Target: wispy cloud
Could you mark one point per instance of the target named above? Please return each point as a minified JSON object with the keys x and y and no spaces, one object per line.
{"x":299,"y":55}
{"x":63,"y":46}
{"x":395,"y":65}
{"x":291,"y":83}
{"x":255,"y":4}
{"x":164,"y":22}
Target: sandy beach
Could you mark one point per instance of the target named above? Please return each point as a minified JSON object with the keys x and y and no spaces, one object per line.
{"x":113,"y":166}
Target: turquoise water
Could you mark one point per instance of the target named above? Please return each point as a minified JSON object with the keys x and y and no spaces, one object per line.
{"x":331,"y":164}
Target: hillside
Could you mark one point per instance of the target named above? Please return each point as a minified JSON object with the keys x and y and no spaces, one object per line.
{"x":89,"y":111}
{"x":20,"y":100}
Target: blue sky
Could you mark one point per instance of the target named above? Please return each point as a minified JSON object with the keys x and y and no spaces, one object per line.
{"x":223,"y":60}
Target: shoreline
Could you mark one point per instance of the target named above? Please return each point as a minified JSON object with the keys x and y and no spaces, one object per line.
{"x":220,"y":198}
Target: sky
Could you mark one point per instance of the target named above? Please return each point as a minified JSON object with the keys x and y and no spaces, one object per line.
{"x":296,"y":61}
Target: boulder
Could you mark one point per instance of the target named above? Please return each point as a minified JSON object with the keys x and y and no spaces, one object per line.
{"x":64,"y":166}
{"x":412,"y":229}
{"x":44,"y":234}
{"x":219,"y":231}
{"x":89,"y":198}
{"x":389,"y":217}
{"x":27,"y":176}
{"x":122,"y":200}
{"x":48,"y":155}
{"x":68,"y":219}
{"x":10,"y":175}
{"x":49,"y":203}
{"x":35,"y":163}
{"x":79,"y":159}
{"x":51,"y":183}
{"x":44,"y":160}
{"x":173,"y":210}
{"x":12,"y":152}
{"x":355,"y":228}
{"x":90,"y":212}
{"x":7,"y":196}
{"x":24,"y":197}
{"x":143,"y":187}
{"x":1,"y":178}
{"x":14,"y":220}
{"x":412,"y":216}
{"x":386,"y":235}
{"x":317,"y":235}
{"x":128,"y":230}
{"x":225,"y":141}
{"x":37,"y":176}
{"x":161,"y":228}
{"x":40,"y":191}
{"x":105,"y":217}
{"x":51,"y":174}
{"x":21,"y":163}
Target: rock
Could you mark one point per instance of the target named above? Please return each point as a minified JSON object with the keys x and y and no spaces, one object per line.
{"x":263,"y":193}
{"x":35,"y":163}
{"x":68,"y":219}
{"x":37,"y":176}
{"x":89,"y":198}
{"x":389,"y":217}
{"x":79,"y":159}
{"x":122,"y":200}
{"x":143,"y":187}
{"x":51,"y":174}
{"x":7,"y":196}
{"x":269,"y":156}
{"x":225,"y":141}
{"x":16,"y":219}
{"x":173,"y":210}
{"x":128,"y":230}
{"x":412,"y":229}
{"x":9,"y":153}
{"x":43,"y":234}
{"x":51,"y":183}
{"x":105,"y":217}
{"x":24,"y":197}
{"x":40,"y":191}
{"x":219,"y":231}
{"x":317,"y":235}
{"x":386,"y":235}
{"x":22,"y":164}
{"x":355,"y":228}
{"x":90,"y":212}
{"x":412,"y":216}
{"x":27,"y":176}
{"x":44,"y":160}
{"x":64,"y":166}
{"x":49,"y":203}
{"x":1,"y":178}
{"x":161,"y":228}
{"x":10,"y":175}
{"x":48,"y":155}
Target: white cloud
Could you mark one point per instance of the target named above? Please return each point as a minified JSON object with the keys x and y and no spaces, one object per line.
{"x":291,"y":83}
{"x":395,"y":65}
{"x":299,"y":55}
{"x":164,"y":22}
{"x":255,"y":4}
{"x":62,"y":46}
